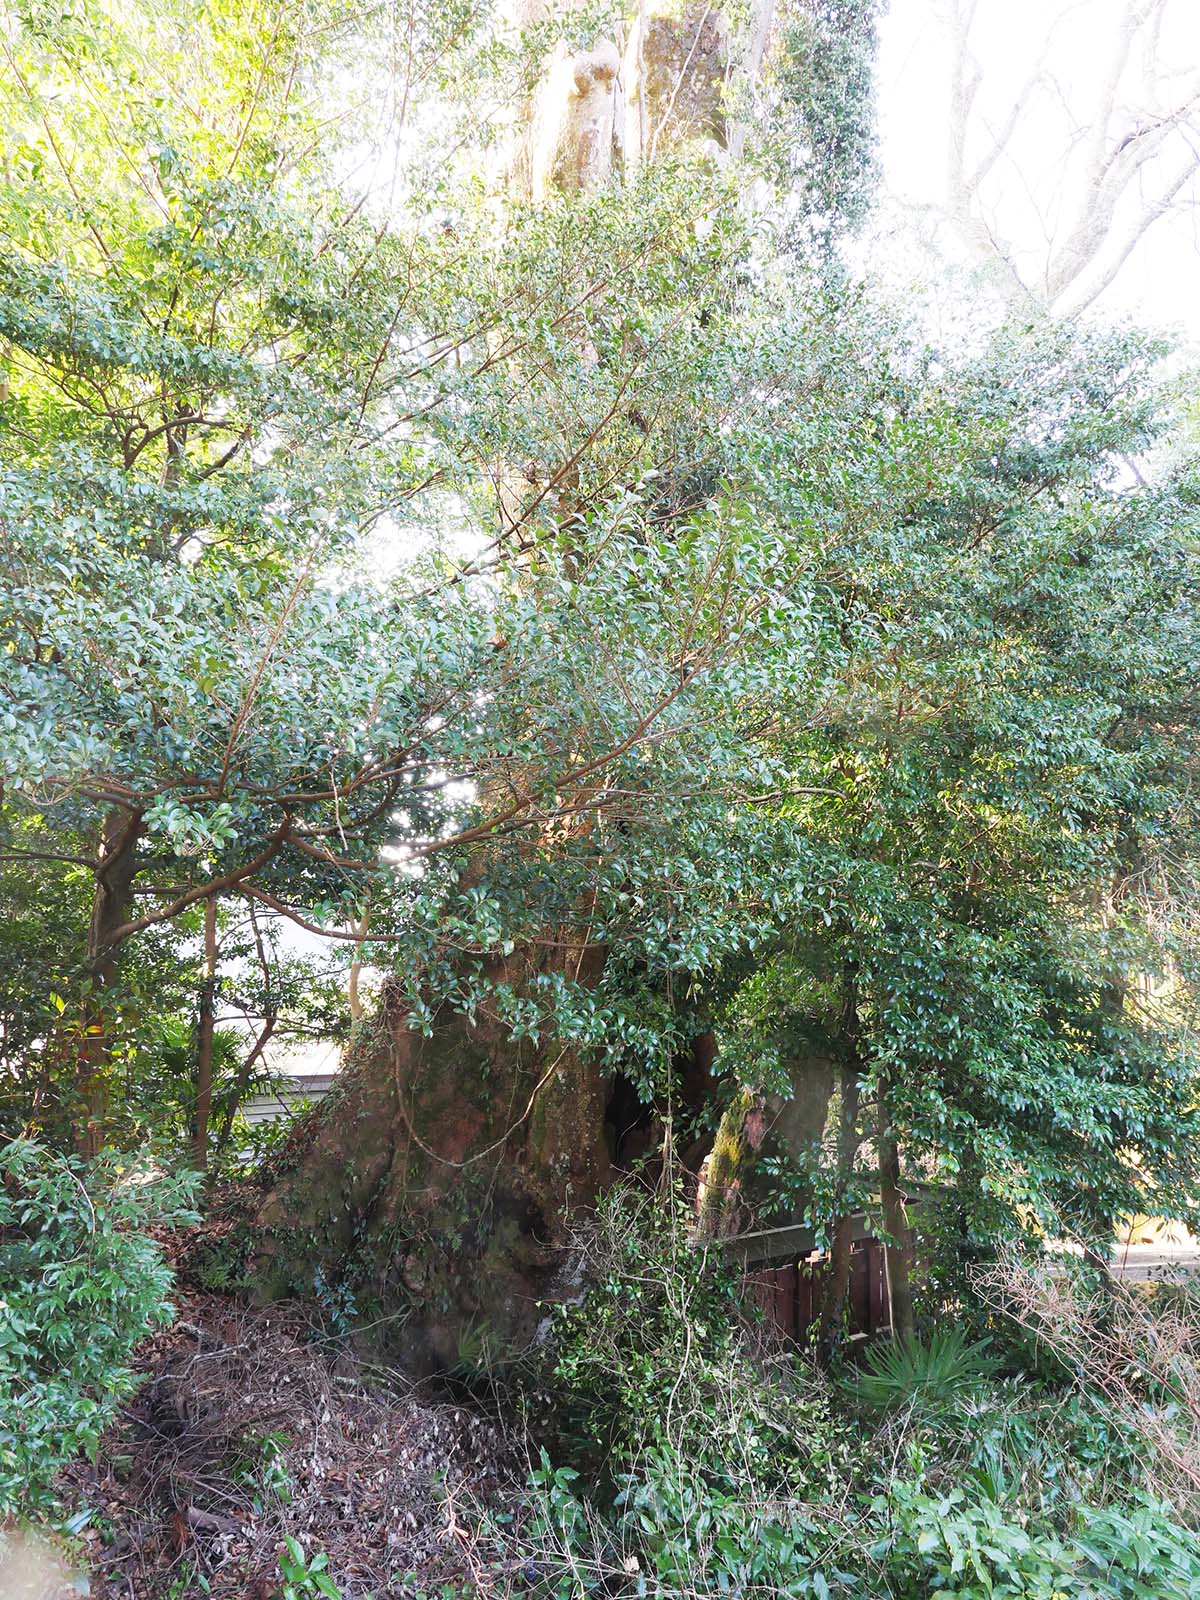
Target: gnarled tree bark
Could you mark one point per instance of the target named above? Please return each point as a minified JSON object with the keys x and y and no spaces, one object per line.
{"x":438,"y":1180}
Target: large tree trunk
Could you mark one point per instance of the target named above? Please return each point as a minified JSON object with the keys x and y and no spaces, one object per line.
{"x":437,"y":1181}
{"x":111,"y":902}
{"x":627,"y":100}
{"x":440,"y":1178}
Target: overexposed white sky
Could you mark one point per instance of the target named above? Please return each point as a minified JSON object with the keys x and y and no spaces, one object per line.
{"x":1032,"y":191}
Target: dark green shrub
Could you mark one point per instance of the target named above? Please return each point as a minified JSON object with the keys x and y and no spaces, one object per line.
{"x":81,"y":1280}
{"x":1138,"y":1551}
{"x":704,"y":1453}
{"x":718,"y":1469}
{"x":965,"y":1543}
{"x":655,"y":1356}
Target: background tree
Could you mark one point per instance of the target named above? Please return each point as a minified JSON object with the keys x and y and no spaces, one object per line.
{"x":1064,"y":137}
{"x":1019,"y":1021}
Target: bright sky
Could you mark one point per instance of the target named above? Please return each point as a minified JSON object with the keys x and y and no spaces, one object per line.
{"x":1032,"y":191}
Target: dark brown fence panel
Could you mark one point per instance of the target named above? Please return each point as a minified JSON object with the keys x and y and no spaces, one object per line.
{"x":868,"y":1288}
{"x":774,"y":1289}
{"x":790,"y":1292}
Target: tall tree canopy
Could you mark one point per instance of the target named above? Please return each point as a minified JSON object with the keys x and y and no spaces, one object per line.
{"x":482,"y":522}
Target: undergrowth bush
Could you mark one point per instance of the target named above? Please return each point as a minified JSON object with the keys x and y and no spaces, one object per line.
{"x":691,"y":1458}
{"x":671,"y":1532}
{"x":81,"y":1280}
{"x":702,"y":1441}
{"x":657,"y":1359}
{"x":1138,"y":1357}
{"x":967,"y":1544}
{"x":931,"y":1378}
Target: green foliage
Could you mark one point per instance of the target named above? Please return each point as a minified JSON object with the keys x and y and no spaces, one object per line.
{"x":672,"y":1532}
{"x":610,"y":565}
{"x":265,"y":1471}
{"x":151,"y":1013}
{"x":337,"y":1303}
{"x":690,"y":591}
{"x":965,"y":1545}
{"x":81,"y":1280}
{"x":253,"y":1144}
{"x":707,"y":1452}
{"x":952,"y":1532}
{"x":1138,"y":1550}
{"x":960,"y":1546}
{"x":652,"y":1356}
{"x":826,"y":86}
{"x":931,"y":1476}
{"x":932,"y":1376}
{"x":988,"y":802}
{"x":305,"y":1577}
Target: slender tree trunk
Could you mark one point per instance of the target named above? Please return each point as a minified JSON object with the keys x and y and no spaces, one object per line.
{"x":245,"y":1071}
{"x":837,"y":1282}
{"x":111,"y":902}
{"x":1114,"y":989}
{"x":353,"y":996}
{"x":205,"y":1028}
{"x":898,"y":1250}
{"x":255,"y":1055}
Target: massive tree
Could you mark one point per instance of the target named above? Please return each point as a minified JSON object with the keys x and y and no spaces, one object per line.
{"x":393,"y":518}
{"x":499,"y":1094}
{"x":540,"y":571}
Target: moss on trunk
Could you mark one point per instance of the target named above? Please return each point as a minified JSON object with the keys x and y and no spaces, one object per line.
{"x":435,"y":1183}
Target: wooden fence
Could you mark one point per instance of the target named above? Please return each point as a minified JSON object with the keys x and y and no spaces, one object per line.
{"x":790,"y":1294}
{"x":786,"y":1274}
